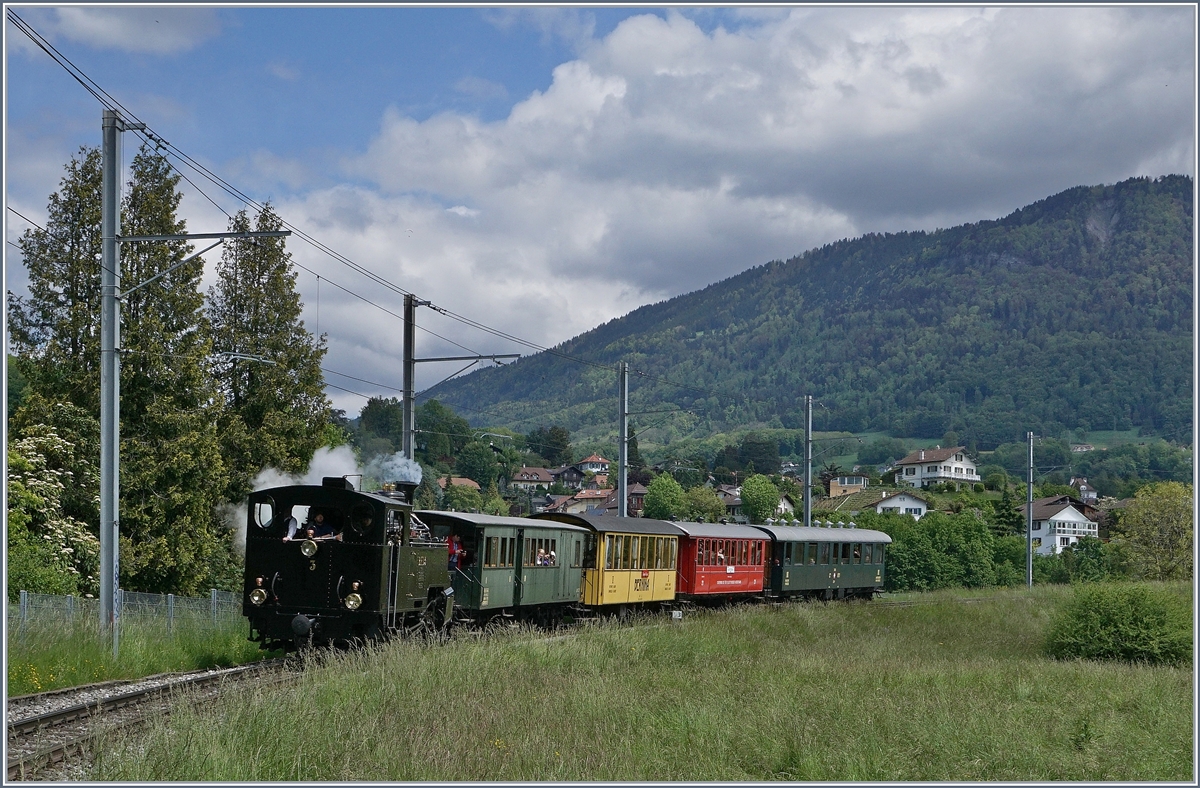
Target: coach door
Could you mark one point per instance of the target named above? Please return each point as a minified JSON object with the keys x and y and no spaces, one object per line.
{"x":518,"y":567}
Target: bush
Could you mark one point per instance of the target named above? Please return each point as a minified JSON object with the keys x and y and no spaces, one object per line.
{"x":1134,"y":622}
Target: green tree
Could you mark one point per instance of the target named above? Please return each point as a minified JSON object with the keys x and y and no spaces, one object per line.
{"x":172,"y":467}
{"x":760,"y":498}
{"x":380,"y":426}
{"x":1004,"y":517}
{"x":56,"y":331}
{"x":704,"y":505}
{"x":493,"y":503}
{"x":760,"y":451}
{"x":441,"y":433}
{"x":664,"y":498}
{"x":553,"y":443}
{"x":462,"y":498}
{"x":830,"y":472}
{"x":276,"y":413}
{"x":1157,"y":528}
{"x":477,"y":462}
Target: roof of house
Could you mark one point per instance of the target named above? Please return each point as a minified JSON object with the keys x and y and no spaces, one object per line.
{"x":854,"y":502}
{"x":541,"y":475}
{"x":930,"y":455}
{"x":458,"y":481}
{"x":903,"y":492}
{"x":1045,"y":508}
{"x":565,"y":469}
{"x":592,"y":458}
{"x":591,"y":495}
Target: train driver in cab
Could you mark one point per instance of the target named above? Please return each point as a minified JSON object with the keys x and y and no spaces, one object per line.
{"x":318,"y":529}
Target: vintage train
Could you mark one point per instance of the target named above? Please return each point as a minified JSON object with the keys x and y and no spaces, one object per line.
{"x":329,"y":564}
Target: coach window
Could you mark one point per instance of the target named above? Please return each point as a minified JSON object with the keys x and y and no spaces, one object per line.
{"x":634,"y":546}
{"x":627,"y":552}
{"x":787,"y":553}
{"x":658,"y":552}
{"x":845,"y":552}
{"x":824,"y":552}
{"x":812,"y":553}
{"x":858,"y":553}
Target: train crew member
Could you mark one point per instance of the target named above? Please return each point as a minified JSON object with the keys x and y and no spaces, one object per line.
{"x":454,"y":547}
{"x":292,"y":527}
{"x":319,"y":529}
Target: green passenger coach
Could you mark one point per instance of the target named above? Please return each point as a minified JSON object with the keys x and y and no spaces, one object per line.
{"x":826,"y":562}
{"x":510,"y":566}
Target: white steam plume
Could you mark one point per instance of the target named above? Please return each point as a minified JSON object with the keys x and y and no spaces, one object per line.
{"x":396,"y":468}
{"x":339,"y":461}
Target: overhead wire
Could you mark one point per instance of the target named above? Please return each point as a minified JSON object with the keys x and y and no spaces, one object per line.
{"x":171,"y":150}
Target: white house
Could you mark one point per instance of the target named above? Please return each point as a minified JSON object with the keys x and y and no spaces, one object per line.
{"x":532,"y":479}
{"x":931,"y":466}
{"x":903,"y":503}
{"x":1057,"y":525}
{"x":595,"y":463}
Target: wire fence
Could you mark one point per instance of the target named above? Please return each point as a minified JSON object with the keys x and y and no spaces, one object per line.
{"x":218,"y":610}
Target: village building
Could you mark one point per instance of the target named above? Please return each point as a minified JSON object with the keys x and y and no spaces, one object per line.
{"x":924,"y":467}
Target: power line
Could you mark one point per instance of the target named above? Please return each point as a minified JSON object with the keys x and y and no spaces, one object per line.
{"x":112,"y":103}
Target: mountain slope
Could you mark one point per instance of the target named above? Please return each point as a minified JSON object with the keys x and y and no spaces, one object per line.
{"x":1075,"y":311}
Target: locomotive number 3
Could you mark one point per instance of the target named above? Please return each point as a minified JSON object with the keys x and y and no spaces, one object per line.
{"x":312,"y":566}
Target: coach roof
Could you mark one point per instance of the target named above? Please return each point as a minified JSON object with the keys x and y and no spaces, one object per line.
{"x":603,"y":524}
{"x":718,"y":531}
{"x":799,"y":533}
{"x":429,"y":516}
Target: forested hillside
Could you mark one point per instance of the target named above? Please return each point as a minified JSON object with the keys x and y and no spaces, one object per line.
{"x":1074,"y":312}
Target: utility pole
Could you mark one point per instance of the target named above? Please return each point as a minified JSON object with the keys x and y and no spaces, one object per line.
{"x":807,"y":460}
{"x":112,"y":124}
{"x":410,"y":368}
{"x":1029,"y":520}
{"x":623,"y":450}
{"x":411,"y":302}
{"x":110,"y":371}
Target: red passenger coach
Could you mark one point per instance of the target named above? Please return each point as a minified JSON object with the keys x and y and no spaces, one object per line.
{"x":720,"y":560}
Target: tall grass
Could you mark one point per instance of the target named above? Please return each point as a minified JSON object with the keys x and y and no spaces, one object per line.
{"x":805,"y":692}
{"x":69,"y":652}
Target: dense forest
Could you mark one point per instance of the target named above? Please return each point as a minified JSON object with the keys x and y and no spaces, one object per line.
{"x":1072,"y":313}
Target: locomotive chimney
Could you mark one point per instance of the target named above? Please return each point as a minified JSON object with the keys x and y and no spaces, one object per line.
{"x":408,"y":490}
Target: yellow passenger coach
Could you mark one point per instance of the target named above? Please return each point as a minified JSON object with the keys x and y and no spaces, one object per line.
{"x":627,"y":560}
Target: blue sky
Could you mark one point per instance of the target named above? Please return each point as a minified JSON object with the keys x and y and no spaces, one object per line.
{"x":547,"y":169}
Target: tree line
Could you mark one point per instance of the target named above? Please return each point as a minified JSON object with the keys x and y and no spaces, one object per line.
{"x":198,"y":419}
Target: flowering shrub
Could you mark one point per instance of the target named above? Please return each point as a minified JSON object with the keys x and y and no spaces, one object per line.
{"x":48,"y":551}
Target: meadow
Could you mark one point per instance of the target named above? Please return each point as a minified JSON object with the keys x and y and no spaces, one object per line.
{"x":947,"y":689}
{"x":67,"y":653}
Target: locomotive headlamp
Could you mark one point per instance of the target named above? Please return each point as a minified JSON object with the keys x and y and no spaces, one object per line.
{"x":258,"y":596}
{"x":309,"y":548}
{"x":353,"y":601}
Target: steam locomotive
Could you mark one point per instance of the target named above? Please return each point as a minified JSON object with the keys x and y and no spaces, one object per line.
{"x":330,"y":564}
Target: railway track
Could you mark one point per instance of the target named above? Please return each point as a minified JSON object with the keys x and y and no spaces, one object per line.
{"x":49,"y":733}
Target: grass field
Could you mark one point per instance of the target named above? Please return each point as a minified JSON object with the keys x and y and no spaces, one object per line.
{"x":67,"y":654}
{"x":806,"y":692}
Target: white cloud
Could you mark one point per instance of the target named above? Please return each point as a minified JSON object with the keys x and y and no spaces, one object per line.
{"x":664,"y":157}
{"x":156,"y":30}
{"x":667,"y":157}
{"x":477,"y":87}
{"x":284,"y":71}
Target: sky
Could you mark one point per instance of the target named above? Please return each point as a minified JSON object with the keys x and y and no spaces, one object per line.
{"x":544,"y":170}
